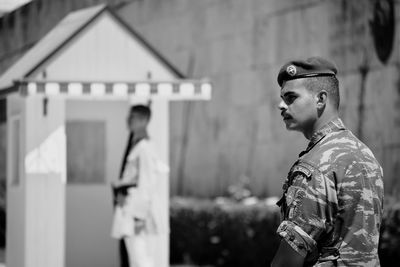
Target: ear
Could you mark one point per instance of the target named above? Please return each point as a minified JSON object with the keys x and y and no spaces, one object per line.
{"x":321,"y":98}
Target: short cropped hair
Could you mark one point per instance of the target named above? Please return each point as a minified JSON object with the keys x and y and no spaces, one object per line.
{"x":328,"y":83}
{"x":141,"y":110}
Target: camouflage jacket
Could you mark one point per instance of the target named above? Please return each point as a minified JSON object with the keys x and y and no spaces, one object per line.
{"x":332,"y":201}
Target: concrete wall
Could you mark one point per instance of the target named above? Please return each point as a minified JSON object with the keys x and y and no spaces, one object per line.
{"x":241,"y":45}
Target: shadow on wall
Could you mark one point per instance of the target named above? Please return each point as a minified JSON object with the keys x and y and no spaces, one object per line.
{"x":2,"y":213}
{"x":3,"y":148}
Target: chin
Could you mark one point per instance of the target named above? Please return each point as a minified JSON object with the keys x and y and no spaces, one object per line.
{"x":293,"y":128}
{"x":290,"y":126}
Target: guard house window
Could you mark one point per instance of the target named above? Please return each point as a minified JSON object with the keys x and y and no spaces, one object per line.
{"x":15,"y":150}
{"x":85,"y":152}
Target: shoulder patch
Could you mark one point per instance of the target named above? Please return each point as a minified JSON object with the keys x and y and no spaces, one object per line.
{"x":299,"y":168}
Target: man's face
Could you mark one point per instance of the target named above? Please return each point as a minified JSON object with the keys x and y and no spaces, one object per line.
{"x":298,"y":106}
{"x":136,"y":122}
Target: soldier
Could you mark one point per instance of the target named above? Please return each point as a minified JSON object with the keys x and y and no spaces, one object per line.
{"x":333,"y":195}
{"x":138,"y":215}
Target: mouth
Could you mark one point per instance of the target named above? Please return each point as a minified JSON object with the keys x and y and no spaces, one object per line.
{"x":286,"y":116}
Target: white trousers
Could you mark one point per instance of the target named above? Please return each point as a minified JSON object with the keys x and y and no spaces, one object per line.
{"x":139,"y":250}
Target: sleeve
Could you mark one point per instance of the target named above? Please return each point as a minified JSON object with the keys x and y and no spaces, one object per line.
{"x":148,"y":184}
{"x":311,"y":202}
{"x":138,"y":200}
{"x":146,"y":168}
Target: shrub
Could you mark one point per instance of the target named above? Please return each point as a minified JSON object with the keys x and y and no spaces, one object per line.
{"x":389,"y":245}
{"x":231,"y":234}
{"x":205,"y":232}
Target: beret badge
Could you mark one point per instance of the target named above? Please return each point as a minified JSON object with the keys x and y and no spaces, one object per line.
{"x":291,"y":70}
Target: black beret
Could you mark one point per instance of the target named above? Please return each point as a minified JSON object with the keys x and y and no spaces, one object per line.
{"x":311,"y":67}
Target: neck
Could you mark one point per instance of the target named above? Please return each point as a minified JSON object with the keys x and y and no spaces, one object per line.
{"x":140,"y":134}
{"x":320,"y":122}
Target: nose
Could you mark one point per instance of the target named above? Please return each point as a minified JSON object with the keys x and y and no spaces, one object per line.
{"x":282,"y":105}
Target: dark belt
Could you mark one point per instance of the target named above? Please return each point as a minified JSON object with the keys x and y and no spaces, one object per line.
{"x":329,"y":254}
{"x":123,"y":189}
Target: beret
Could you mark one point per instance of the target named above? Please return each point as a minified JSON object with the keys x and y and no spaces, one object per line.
{"x":311,"y":67}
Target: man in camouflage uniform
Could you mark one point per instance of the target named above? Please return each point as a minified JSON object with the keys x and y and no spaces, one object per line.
{"x":332,"y":197}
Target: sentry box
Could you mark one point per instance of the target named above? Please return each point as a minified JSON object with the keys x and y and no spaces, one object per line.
{"x":67,"y":102}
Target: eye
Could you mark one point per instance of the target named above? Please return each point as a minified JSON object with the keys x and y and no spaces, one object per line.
{"x":290,"y":99}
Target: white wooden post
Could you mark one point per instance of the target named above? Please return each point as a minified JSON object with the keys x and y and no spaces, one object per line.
{"x":36,"y":222}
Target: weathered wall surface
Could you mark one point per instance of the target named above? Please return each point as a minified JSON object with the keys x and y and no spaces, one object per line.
{"x":240,"y":46}
{"x":3,"y":140}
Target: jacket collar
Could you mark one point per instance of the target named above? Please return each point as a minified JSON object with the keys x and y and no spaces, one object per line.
{"x":334,"y":125}
{"x":139,"y":135}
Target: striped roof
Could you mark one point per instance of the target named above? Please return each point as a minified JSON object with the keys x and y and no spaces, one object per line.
{"x":176,"y":90}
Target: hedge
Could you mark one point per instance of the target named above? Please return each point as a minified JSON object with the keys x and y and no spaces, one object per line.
{"x":389,"y":243}
{"x":204,"y":232}
{"x":230,"y":234}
